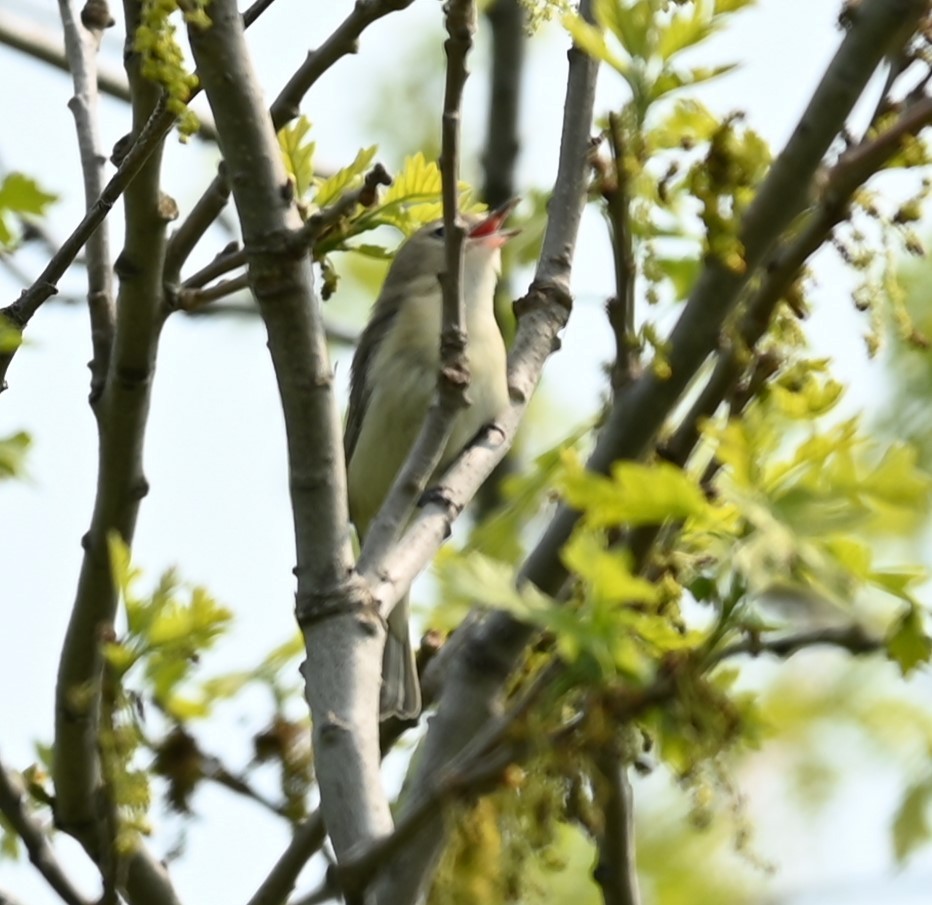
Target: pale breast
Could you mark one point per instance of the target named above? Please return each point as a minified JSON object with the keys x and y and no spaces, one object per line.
{"x":407,"y":362}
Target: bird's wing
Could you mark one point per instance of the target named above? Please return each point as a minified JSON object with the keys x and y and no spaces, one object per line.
{"x":383,"y":313}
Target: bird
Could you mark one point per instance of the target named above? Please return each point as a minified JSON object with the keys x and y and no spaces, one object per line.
{"x":393,"y":379}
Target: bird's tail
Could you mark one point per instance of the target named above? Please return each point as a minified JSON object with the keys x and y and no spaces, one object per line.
{"x":401,"y":690}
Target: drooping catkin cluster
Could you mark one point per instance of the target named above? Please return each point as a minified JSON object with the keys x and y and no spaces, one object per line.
{"x":163,"y":61}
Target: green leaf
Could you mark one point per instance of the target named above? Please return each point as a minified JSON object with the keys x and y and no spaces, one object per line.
{"x":121,"y":657}
{"x":10,"y":843}
{"x":898,"y":582}
{"x":419,"y":178}
{"x":11,"y":338}
{"x":688,"y":123}
{"x":183,"y":709}
{"x":284,"y":654}
{"x":346,"y":179}
{"x":631,"y":23}
{"x":908,"y":644}
{"x":731,"y":6}
{"x":607,"y":572}
{"x":298,"y":153}
{"x":897,"y":479}
{"x":685,"y":28}
{"x":372,"y":251}
{"x":124,"y":575}
{"x":415,"y":198}
{"x":13,"y":451}
{"x":635,"y":494}
{"x":808,"y":399}
{"x":226,"y":686}
{"x":19,"y":194}
{"x":473,"y":579}
{"x":681,"y":272}
{"x":591,"y":40}
{"x":671,"y":80}
{"x":911,"y":828}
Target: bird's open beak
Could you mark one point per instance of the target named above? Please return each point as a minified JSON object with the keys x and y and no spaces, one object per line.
{"x":489,"y":229}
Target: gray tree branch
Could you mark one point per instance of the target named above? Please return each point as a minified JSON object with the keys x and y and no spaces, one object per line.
{"x":82,"y":43}
{"x":343,"y":636}
{"x":281,"y":879}
{"x":41,"y":854}
{"x":83,"y":804}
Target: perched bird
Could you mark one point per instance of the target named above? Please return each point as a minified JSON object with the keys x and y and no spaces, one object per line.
{"x":392,"y":384}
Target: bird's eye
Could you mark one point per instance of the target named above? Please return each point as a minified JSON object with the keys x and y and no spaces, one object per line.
{"x":438,"y":232}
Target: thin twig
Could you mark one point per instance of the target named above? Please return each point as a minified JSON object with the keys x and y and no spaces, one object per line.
{"x":308,"y":236}
{"x":82,"y":45}
{"x":13,"y":808}
{"x":306,"y":841}
{"x":254,"y":10}
{"x":343,"y":41}
{"x":453,"y":377}
{"x":852,"y":638}
{"x":192,"y":300}
{"x":230,"y":258}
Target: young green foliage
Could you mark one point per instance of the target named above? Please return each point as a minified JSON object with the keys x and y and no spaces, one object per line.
{"x":413,"y":200}
{"x":13,"y":450}
{"x":20,"y":195}
{"x":806,"y":512}
{"x":641,"y":39}
{"x":157,"y":663}
{"x":298,"y":155}
{"x":911,"y":824}
{"x":165,"y":635}
{"x":162,"y":58}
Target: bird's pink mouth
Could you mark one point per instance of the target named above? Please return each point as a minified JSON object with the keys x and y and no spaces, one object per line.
{"x":489,"y":229}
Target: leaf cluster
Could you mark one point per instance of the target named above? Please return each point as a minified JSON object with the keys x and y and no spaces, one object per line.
{"x":412,"y":201}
